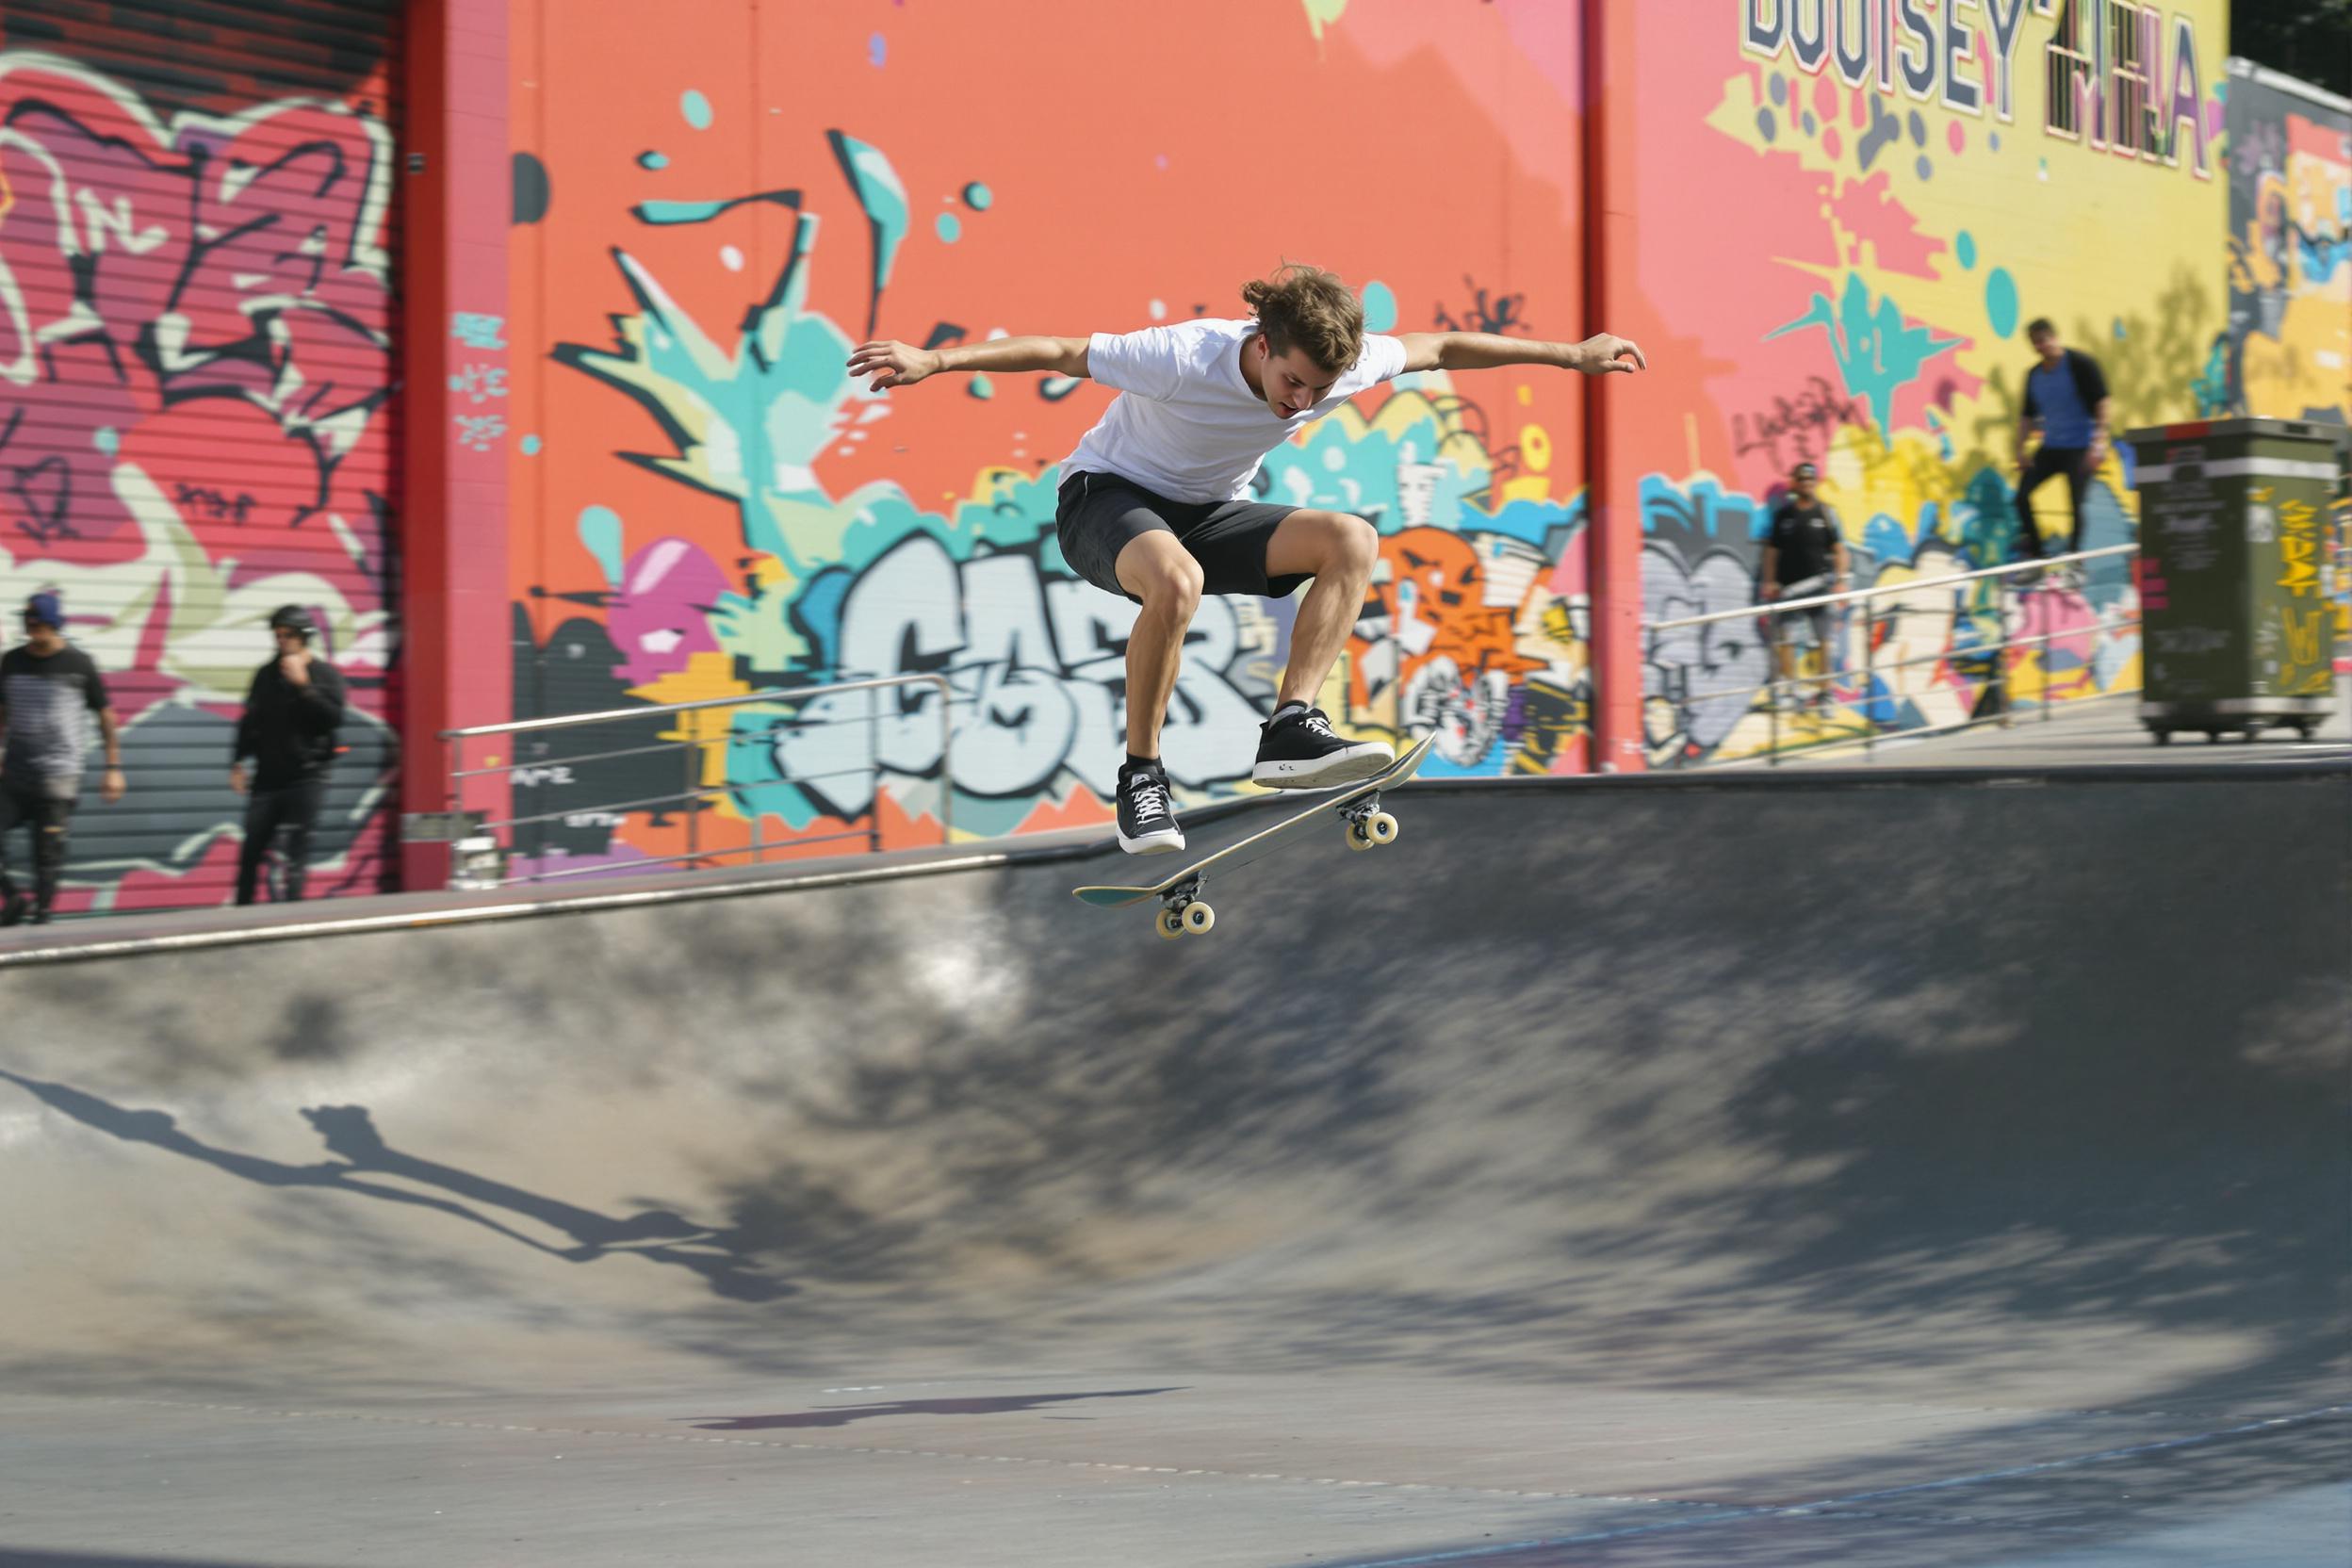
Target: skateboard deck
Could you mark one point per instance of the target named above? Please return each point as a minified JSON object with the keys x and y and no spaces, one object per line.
{"x":1182,"y":910}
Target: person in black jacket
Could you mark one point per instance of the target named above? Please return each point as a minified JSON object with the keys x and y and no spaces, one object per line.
{"x":2065,"y":394}
{"x":288,"y":729}
{"x":1805,"y":557}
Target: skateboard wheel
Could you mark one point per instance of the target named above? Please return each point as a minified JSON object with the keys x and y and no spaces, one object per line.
{"x":1358,"y":837}
{"x":1170,"y":923}
{"x":1198,"y":919}
{"x":1381,"y":829}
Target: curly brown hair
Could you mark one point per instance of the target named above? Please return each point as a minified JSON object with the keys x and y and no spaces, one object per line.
{"x":1305,"y":307}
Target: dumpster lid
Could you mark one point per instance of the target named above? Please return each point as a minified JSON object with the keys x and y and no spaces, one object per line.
{"x":2310,"y":430}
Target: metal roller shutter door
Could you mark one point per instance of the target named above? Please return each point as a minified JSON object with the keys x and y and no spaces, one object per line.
{"x":197,"y":347}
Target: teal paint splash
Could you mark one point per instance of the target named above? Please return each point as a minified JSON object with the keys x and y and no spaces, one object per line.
{"x":664,"y":213}
{"x":949,"y":227}
{"x":651,"y":159}
{"x":2000,"y":301}
{"x":978,"y":197}
{"x":696,"y":108}
{"x":1380,"y":308}
{"x":600,"y":536}
{"x":1876,"y":353}
{"x":883,"y":194}
{"x":750,"y":421}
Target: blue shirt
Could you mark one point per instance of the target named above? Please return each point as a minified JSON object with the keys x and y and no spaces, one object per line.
{"x":2066,"y":423}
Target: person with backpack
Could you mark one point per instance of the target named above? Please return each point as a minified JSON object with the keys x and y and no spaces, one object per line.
{"x":2066,"y":398}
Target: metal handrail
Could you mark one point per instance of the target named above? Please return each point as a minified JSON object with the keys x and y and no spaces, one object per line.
{"x":690,"y":747}
{"x":2000,"y":653}
{"x":1778,"y":607}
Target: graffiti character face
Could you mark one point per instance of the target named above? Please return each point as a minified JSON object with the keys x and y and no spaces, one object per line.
{"x":1290,"y":382}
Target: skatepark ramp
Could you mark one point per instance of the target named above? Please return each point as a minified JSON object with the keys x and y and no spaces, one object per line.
{"x":1913,"y":1089}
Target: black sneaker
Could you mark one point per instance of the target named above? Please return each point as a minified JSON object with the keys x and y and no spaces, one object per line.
{"x":1297,"y":749}
{"x":15,"y":906}
{"x":1146,"y":818}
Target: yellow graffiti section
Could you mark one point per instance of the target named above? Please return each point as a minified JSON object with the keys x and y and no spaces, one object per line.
{"x":1322,"y":13}
{"x":2307,"y":364}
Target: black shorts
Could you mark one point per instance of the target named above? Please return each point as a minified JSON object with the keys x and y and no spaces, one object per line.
{"x":1100,"y":515}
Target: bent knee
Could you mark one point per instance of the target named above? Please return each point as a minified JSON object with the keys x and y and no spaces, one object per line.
{"x":1350,"y":544}
{"x":1170,"y":584}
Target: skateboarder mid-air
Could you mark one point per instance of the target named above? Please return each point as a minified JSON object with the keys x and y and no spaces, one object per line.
{"x":1155,"y":503}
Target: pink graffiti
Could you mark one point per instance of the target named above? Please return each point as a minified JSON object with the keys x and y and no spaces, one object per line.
{"x":660,"y":618}
{"x":170,"y":294}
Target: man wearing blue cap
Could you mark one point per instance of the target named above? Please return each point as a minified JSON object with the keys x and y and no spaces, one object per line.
{"x":45,"y":688}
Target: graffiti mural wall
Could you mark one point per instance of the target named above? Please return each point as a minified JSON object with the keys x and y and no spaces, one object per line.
{"x":196,"y":325}
{"x":2290,"y":342}
{"x":712,"y":212}
{"x":1844,"y":216}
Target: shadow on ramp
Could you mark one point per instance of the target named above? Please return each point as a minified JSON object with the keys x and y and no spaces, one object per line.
{"x":350,"y":1133}
{"x":842,"y":1415}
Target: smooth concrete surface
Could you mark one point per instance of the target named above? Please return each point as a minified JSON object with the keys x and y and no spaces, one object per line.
{"x":2099,"y":732}
{"x":1911,"y":1169}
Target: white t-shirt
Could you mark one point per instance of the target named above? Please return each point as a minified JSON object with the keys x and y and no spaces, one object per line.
{"x":1185,"y":425}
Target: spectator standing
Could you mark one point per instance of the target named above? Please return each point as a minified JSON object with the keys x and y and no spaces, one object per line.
{"x":46,"y":685}
{"x":1805,"y":555}
{"x":291,"y":713}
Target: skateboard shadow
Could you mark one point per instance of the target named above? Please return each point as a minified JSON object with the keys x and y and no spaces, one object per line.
{"x":367,"y":1167}
{"x":842,"y":1415}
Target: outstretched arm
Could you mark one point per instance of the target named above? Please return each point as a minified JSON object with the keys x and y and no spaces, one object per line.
{"x":894,"y":363}
{"x":1599,"y":355}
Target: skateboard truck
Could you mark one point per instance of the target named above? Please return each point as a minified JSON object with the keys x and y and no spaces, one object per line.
{"x":1182,"y":910}
{"x":1369,"y":826}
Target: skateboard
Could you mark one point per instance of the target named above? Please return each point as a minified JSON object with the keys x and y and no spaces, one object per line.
{"x":1183,"y":913}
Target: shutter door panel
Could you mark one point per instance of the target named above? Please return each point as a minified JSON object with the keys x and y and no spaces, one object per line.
{"x":197,"y":342}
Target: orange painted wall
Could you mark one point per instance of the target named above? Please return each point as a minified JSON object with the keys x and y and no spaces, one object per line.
{"x":1137,"y":165}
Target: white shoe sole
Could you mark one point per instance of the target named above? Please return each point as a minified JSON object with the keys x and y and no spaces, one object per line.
{"x":1152,"y":843}
{"x":1358,"y":761}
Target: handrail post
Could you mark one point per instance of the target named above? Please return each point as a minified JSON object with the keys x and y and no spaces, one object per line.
{"x":457,"y":804}
{"x":2045,"y":677}
{"x":873,"y":756}
{"x":2004,"y":669}
{"x":1869,"y":652}
{"x":947,"y":770}
{"x":694,"y":818}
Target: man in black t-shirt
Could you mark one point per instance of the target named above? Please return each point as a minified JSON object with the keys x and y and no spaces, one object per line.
{"x":1805,"y":555}
{"x":46,"y":686}
{"x":291,"y":712}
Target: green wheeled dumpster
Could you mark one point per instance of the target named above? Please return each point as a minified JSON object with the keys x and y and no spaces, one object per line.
{"x":2238,"y":633}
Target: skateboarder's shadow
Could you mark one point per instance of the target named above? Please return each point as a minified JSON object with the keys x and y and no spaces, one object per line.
{"x":842,"y":1415}
{"x":350,"y":1133}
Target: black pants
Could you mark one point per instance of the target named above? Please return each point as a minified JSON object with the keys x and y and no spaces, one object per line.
{"x":293,"y":807}
{"x":43,"y":808}
{"x":2047,"y":463}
